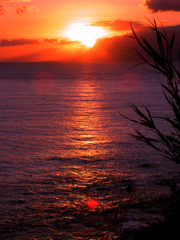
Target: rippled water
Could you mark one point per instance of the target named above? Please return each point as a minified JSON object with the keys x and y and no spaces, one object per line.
{"x":63,"y":142}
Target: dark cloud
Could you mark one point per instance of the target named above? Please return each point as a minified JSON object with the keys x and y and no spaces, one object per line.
{"x":111,"y":49}
{"x":17,"y":42}
{"x":117,"y":25}
{"x":121,"y":48}
{"x":163,"y":5}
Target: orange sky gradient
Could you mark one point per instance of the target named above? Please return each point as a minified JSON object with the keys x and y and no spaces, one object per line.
{"x":34,"y":30}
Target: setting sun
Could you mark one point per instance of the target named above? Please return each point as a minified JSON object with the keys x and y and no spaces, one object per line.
{"x":85,"y":33}
{"x":70,"y":166}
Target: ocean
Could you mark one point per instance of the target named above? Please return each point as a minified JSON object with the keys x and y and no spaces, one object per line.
{"x":64,"y":143}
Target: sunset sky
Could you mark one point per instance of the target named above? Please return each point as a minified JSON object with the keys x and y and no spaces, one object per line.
{"x":68,"y":30}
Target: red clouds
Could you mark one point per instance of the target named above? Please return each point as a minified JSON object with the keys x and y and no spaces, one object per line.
{"x":117,"y":25}
{"x":112,"y":49}
{"x":16,"y":42}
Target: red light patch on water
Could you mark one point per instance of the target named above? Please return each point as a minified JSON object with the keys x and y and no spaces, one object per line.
{"x":92,"y":203}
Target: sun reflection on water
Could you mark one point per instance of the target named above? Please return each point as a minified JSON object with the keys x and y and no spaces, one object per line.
{"x":87,"y":136}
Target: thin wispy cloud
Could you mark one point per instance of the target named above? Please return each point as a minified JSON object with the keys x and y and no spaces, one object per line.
{"x":56,"y":41}
{"x":23,"y":9}
{"x":22,"y":41}
{"x":17,"y":42}
{"x":117,"y":25}
{"x":163,"y":5}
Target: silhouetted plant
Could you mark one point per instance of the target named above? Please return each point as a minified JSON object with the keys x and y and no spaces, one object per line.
{"x":160,"y":58}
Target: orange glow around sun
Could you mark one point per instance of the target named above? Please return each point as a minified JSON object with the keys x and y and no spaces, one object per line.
{"x":85,"y":33}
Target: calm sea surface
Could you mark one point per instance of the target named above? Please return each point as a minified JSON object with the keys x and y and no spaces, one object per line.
{"x":63,"y":142}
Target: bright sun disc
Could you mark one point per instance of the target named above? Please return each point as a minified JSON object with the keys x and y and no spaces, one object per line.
{"x":85,"y":33}
{"x":92,"y":203}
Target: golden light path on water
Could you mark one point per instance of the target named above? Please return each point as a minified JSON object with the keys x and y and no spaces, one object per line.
{"x":86,"y":132}
{"x":87,"y":122}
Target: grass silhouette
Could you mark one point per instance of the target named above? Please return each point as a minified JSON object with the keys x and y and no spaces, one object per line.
{"x":160,"y":58}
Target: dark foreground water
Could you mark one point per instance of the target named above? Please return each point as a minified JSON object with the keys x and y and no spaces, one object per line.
{"x":63,"y":143}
